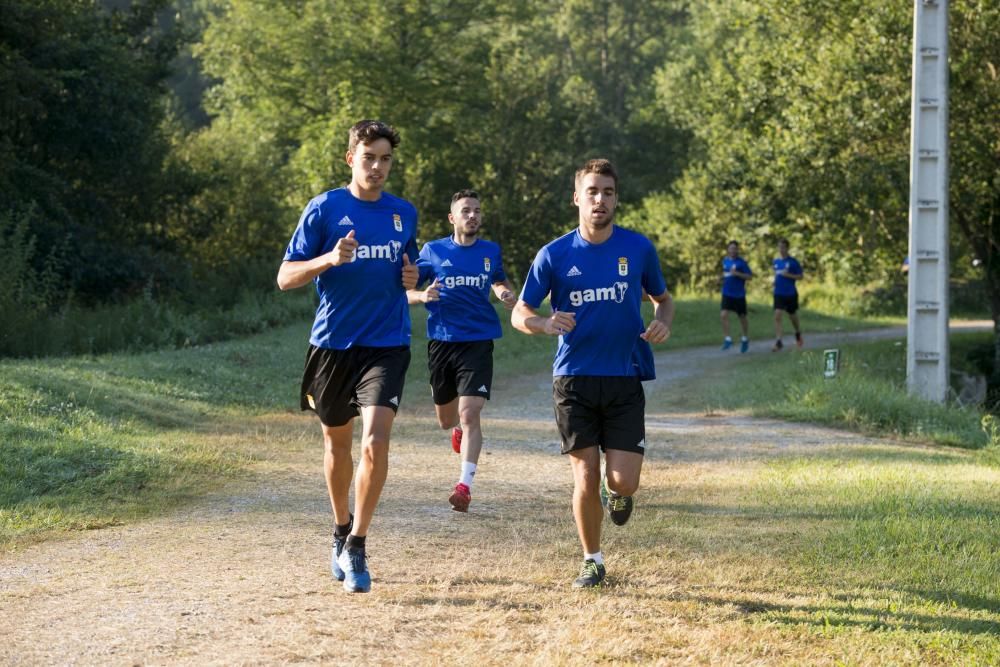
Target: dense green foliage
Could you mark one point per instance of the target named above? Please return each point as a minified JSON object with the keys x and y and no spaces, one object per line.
{"x":726,"y":118}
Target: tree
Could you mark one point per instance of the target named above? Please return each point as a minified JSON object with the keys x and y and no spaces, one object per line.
{"x":81,"y":150}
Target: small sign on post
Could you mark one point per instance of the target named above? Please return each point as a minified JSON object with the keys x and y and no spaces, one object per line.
{"x":831,"y":363}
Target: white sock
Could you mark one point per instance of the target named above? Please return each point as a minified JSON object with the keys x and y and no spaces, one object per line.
{"x":744,"y":339}
{"x":728,"y":339}
{"x":596,"y":557}
{"x":468,"y":472}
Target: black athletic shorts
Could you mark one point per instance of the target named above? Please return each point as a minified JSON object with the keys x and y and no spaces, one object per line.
{"x":736,"y":304}
{"x":460,"y":369}
{"x":789,"y":303}
{"x":594,"y":410}
{"x":336,"y":384}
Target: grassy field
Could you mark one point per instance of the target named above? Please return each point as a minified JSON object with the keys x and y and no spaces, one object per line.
{"x":868,"y":395}
{"x":754,"y":542}
{"x":92,"y":441}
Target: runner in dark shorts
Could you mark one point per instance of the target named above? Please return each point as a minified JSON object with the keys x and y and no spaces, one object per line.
{"x":787,"y":272}
{"x":357,"y":244}
{"x":735,"y":273}
{"x":461,"y":326}
{"x":595,"y":279}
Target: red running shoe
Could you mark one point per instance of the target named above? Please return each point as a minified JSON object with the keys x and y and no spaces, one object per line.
{"x":456,"y":440}
{"x":461,"y":498}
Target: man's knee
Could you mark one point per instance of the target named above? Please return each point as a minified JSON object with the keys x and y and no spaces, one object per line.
{"x":468,"y":415}
{"x":623,"y":485}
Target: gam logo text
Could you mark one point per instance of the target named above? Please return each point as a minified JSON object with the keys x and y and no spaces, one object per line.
{"x":479,"y":282}
{"x":614,"y":293}
{"x":389,"y":251}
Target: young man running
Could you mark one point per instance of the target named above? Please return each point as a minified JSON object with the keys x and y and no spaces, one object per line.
{"x":595,"y":278}
{"x":786,"y":296}
{"x":356,"y":244}
{"x":461,"y":326}
{"x":735,"y":273}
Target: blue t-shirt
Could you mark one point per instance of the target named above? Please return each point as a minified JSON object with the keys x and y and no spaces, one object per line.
{"x":464,"y":312}
{"x":602,"y":284}
{"x":785,"y":286}
{"x":734,"y":286}
{"x":363,"y":302}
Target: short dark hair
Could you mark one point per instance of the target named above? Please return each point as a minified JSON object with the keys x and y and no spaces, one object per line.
{"x":367,"y":131}
{"x":462,"y":194}
{"x":783,"y":240}
{"x":597,"y":166}
{"x":733,"y":242}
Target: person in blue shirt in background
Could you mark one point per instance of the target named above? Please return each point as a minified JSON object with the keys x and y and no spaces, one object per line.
{"x":786,"y":296}
{"x":596,"y":278}
{"x":735,"y":273}
{"x":461,"y":326}
{"x":358,"y":245}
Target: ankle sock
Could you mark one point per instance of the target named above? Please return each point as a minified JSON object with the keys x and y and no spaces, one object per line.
{"x":468,"y":472}
{"x":355,"y":542}
{"x":342,"y":531}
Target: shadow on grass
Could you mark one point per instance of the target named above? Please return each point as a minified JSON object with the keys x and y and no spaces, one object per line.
{"x":850,"y":615}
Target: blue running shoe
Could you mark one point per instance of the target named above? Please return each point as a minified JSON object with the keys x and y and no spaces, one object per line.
{"x":726,"y":344}
{"x":356,"y":576}
{"x":338,"y":548}
{"x":744,"y":346}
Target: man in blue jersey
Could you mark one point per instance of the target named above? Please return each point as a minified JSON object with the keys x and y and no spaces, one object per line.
{"x":735,"y":273}
{"x":787,"y":271}
{"x":595,"y":278}
{"x":358,"y":245}
{"x":461,"y":326}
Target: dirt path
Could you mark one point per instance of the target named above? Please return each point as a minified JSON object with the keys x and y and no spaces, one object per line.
{"x":241,"y":576}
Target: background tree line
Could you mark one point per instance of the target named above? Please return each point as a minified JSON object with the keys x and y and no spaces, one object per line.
{"x":162,"y":150}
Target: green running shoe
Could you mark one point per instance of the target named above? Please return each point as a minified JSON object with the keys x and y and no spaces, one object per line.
{"x":591,"y":575}
{"x":619,"y":507}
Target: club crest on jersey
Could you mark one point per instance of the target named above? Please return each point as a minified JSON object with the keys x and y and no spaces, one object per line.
{"x":623,"y":266}
{"x":397,"y":222}
{"x":486,"y":264}
{"x":614,"y":293}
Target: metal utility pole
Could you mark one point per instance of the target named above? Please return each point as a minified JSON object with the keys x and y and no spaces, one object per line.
{"x":927,"y":361}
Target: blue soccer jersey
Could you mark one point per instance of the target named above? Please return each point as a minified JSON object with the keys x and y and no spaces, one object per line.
{"x":734,"y":286}
{"x":363,"y":302}
{"x":785,"y":286}
{"x":602,"y":285}
{"x":465,"y":273}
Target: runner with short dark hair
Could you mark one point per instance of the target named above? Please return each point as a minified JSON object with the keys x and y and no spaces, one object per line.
{"x":358,"y":245}
{"x":595,"y":278}
{"x":461,"y":327}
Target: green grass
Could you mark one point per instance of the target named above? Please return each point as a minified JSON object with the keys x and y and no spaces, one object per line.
{"x":868,"y":394}
{"x":850,"y":551}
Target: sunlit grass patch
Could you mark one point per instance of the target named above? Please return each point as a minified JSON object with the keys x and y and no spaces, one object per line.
{"x":868,"y":394}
